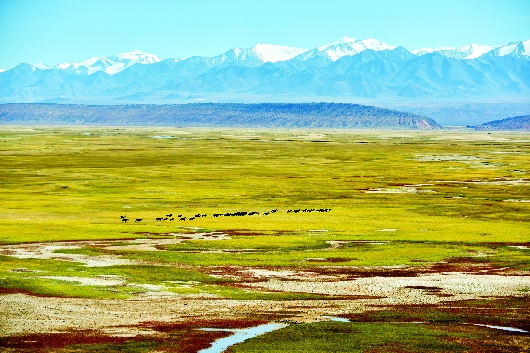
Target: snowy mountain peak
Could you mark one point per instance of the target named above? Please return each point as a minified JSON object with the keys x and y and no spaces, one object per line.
{"x":347,"y":46}
{"x":274,"y":53}
{"x":469,"y":51}
{"x":519,"y":49}
{"x":473,"y":51}
{"x":139,"y":56}
{"x":40,"y":66}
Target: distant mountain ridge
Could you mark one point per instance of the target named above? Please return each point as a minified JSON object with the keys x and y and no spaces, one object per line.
{"x":266,"y":72}
{"x":515,"y":123}
{"x":315,"y":115}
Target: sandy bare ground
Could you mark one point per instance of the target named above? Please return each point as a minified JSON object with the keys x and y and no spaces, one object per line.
{"x":48,"y":250}
{"x":23,"y":313}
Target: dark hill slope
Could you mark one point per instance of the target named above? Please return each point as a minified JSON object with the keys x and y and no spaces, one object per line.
{"x":515,"y":123}
{"x":325,"y":115}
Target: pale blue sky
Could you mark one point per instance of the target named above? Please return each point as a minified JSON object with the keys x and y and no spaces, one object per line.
{"x":54,"y":31}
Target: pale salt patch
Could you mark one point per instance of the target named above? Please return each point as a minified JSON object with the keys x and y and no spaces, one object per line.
{"x":45,"y":251}
{"x":157,"y":291}
{"x":313,"y":136}
{"x":128,"y":331}
{"x":401,"y":190}
{"x":515,"y":200}
{"x":487,"y":182}
{"x":505,"y":152}
{"x":387,"y":230}
{"x":151,"y":287}
{"x":104,"y":281}
{"x":445,"y":158}
{"x":336,"y":244}
{"x":337,"y":319}
{"x":48,"y":250}
{"x":269,"y":273}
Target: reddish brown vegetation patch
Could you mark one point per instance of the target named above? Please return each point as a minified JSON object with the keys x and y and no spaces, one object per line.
{"x":180,"y":337}
{"x":199,"y":322}
{"x":27,"y":292}
{"x":247,"y":232}
{"x":46,"y":341}
{"x":469,"y":265}
{"x":328,"y":273}
{"x":241,"y":232}
{"x":193,"y":341}
{"x":350,"y":273}
{"x":508,"y":312}
{"x":437,"y":291}
{"x":498,"y":244}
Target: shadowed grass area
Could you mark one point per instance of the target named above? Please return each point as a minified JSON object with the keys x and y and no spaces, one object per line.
{"x":444,"y":327}
{"x":352,"y":337}
{"x":314,"y":251}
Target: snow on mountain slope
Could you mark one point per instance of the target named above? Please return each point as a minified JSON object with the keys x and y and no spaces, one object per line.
{"x":253,"y":57}
{"x":345,"y":47}
{"x":469,"y":51}
{"x":473,"y":51}
{"x":111,"y":64}
{"x":2,"y":70}
{"x":40,"y":66}
{"x":274,"y":53}
{"x":515,"y":49}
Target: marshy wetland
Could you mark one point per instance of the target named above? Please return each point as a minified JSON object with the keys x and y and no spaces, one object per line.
{"x":424,"y":245}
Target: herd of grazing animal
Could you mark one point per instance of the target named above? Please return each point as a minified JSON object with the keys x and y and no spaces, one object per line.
{"x":124,"y":219}
{"x":170,"y":217}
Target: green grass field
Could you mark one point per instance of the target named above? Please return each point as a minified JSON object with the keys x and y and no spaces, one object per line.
{"x":74,"y":183}
{"x":396,"y":198}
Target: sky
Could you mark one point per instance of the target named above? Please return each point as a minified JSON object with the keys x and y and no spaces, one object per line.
{"x":55,"y":31}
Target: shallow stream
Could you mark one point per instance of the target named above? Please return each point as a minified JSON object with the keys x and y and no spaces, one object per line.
{"x":239,"y":336}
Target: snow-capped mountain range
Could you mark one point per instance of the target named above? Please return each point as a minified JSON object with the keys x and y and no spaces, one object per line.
{"x":263,"y":53}
{"x":348,"y":67}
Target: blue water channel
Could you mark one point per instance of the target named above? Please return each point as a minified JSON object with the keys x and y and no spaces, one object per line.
{"x":239,"y":336}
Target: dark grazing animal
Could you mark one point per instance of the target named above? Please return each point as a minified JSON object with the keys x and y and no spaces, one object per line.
{"x":138,"y":220}
{"x":125,"y":220}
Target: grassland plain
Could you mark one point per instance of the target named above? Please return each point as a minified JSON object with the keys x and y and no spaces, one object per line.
{"x":387,"y":220}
